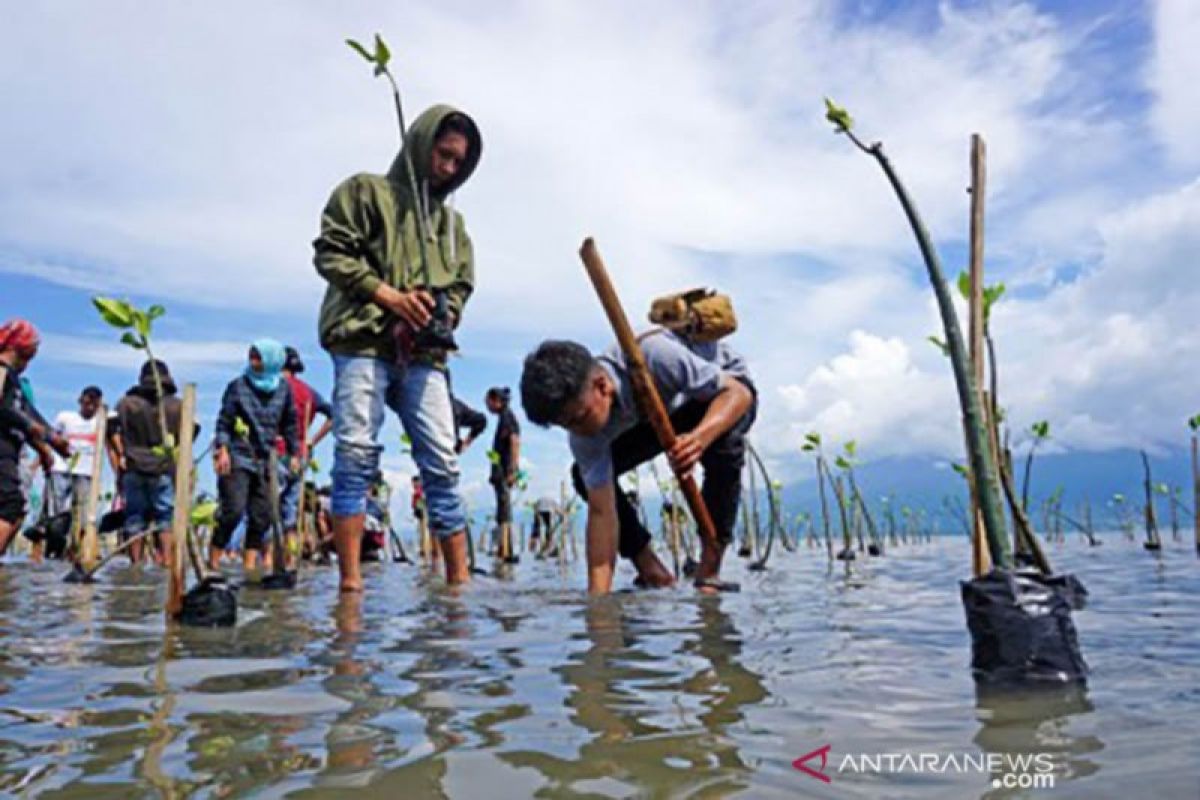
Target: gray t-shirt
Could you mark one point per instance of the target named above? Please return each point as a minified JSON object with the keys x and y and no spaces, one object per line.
{"x":682,"y":371}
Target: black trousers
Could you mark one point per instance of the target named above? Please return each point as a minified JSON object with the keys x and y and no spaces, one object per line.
{"x":503,"y":494}
{"x":722,"y":462}
{"x":12,"y":496}
{"x":239,"y":492}
{"x":542,"y":522}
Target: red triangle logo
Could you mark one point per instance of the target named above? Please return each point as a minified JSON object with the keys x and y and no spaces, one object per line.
{"x":818,"y":773}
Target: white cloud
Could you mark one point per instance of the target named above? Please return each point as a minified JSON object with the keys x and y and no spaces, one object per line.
{"x":689,"y":141}
{"x":180,"y":355}
{"x":876,"y":395}
{"x":1172,"y":76}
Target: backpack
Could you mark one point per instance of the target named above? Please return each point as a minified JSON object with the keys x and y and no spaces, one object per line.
{"x":701,"y":315}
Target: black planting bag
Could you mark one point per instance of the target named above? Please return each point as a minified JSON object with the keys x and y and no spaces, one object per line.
{"x":1021,"y":629}
{"x":212,"y":603}
{"x":54,"y":530}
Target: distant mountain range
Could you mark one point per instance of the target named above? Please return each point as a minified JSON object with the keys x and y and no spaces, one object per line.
{"x":1094,"y":477}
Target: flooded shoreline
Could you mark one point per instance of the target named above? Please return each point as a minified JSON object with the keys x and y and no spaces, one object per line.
{"x":521,"y":686}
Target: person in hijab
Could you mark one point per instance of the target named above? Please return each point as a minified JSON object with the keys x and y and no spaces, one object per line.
{"x":20,"y":424}
{"x":257,"y":410}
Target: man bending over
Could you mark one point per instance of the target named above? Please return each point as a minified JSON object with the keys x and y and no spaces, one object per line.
{"x":708,"y":391}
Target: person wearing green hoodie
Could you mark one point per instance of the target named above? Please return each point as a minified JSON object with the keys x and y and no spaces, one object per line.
{"x":385,"y":286}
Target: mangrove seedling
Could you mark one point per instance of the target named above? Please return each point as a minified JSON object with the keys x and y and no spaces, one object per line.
{"x":439,"y":333}
{"x":136,"y":326}
{"x":1153,"y":541}
{"x":846,"y":462}
{"x":1040,"y":432}
{"x":982,"y":459}
{"x":812,"y":444}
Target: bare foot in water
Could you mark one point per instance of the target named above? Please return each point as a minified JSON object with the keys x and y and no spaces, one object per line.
{"x":652,"y":573}
{"x":708,"y":573}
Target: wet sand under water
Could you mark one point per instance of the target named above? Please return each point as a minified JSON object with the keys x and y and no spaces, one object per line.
{"x":521,"y":687}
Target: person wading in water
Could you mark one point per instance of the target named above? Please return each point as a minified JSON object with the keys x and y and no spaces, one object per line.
{"x":256,"y":411}
{"x":20,"y":424}
{"x":506,"y":444}
{"x":390,"y":251}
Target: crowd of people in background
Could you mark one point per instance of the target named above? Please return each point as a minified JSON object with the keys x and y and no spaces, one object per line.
{"x":261,"y":449}
{"x":399,"y":269}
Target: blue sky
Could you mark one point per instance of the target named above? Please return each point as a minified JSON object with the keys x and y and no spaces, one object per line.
{"x":181,"y":153}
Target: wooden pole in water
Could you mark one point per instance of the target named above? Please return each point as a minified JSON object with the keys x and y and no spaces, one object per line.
{"x":183,"y":504}
{"x":980,"y":561}
{"x":1196,"y":487}
{"x":89,"y":550}
{"x":644,"y":388}
{"x":1152,"y":539}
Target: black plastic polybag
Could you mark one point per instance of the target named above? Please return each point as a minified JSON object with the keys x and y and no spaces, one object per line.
{"x":212,"y":603}
{"x":1021,"y":630}
{"x":284,"y":579}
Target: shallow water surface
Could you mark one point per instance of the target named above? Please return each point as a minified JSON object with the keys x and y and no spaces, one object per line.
{"x":522,"y":687}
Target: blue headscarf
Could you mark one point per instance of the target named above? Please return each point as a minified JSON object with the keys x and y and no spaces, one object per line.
{"x":272,"y":354}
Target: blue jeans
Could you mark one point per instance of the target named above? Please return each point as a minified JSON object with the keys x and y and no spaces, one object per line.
{"x":289,"y":495}
{"x":420,"y":396}
{"x":149,"y":502}
{"x":69,"y":489}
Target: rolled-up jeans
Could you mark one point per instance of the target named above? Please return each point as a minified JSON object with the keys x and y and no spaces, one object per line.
{"x":289,"y":495}
{"x":420,"y":396}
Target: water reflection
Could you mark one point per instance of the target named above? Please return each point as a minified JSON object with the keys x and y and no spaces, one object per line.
{"x":656,"y":720}
{"x":1038,"y":721}
{"x":527,"y":688}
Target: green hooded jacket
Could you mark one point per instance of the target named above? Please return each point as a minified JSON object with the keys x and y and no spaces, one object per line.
{"x":369,"y":233}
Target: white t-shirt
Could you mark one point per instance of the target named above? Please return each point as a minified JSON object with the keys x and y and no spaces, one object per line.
{"x":81,"y":434}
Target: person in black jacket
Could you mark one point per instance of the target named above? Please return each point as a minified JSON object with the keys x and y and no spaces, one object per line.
{"x":466,"y":417}
{"x":506,"y":460}
{"x":145,"y":473}
{"x":256,"y":411}
{"x":20,"y":423}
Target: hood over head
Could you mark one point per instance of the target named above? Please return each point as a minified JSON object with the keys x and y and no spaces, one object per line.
{"x":421,"y":135}
{"x":145,"y":385}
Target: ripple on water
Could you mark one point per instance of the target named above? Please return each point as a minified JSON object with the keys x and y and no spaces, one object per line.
{"x":523,"y":687}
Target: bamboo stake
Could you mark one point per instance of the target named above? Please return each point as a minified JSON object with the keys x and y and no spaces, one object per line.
{"x":1153,"y":542}
{"x":645,"y":390}
{"x":89,"y":550}
{"x":984,"y":463}
{"x":305,"y":460}
{"x":1196,"y":487}
{"x":183,"y":504}
{"x":980,"y":561}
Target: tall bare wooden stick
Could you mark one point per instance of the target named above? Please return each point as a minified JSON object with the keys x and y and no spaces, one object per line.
{"x":980,"y":561}
{"x":1196,"y":487}
{"x":183,"y":503}
{"x":643,"y":386}
{"x":89,"y":550}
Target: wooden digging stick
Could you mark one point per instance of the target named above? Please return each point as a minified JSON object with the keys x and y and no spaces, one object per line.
{"x":183,"y":504}
{"x":89,"y":550}
{"x":980,"y":557}
{"x":643,"y":386}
